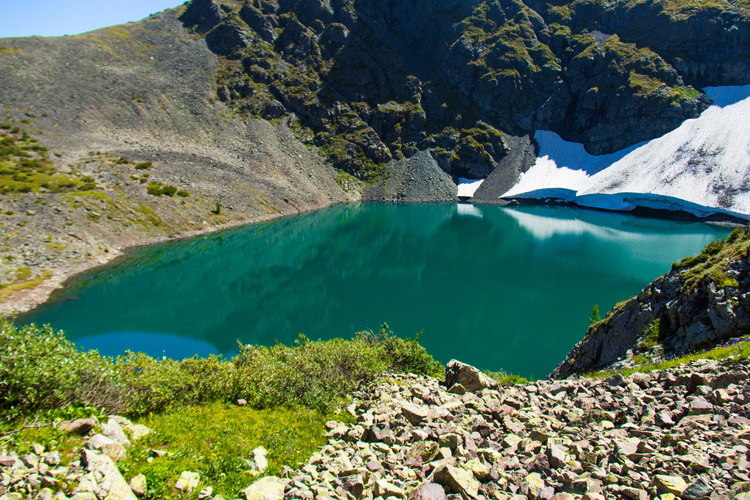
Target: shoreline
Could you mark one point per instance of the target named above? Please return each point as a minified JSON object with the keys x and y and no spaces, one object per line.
{"x":27,"y":299}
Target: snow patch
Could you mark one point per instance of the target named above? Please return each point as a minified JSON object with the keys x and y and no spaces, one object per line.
{"x":702,"y":167}
{"x":467,"y":187}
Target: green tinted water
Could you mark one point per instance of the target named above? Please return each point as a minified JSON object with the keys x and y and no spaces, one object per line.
{"x":509,"y":288}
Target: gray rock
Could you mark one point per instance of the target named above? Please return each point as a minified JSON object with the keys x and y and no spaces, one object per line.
{"x":112,"y":484}
{"x":469,"y":377}
{"x":267,"y":488}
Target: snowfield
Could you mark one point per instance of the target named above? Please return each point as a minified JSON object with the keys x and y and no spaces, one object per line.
{"x":702,"y":167}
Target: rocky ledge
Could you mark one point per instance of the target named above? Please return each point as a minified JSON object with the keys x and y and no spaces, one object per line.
{"x":678,"y":433}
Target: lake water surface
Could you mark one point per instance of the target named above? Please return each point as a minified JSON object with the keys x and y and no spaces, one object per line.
{"x":509,"y":288}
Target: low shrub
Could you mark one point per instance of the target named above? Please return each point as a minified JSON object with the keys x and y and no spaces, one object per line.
{"x":41,"y":370}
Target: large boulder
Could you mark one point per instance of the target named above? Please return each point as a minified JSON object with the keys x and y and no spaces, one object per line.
{"x":469,"y":377}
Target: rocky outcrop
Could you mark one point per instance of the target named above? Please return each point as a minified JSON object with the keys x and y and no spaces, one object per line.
{"x":373,"y":82}
{"x":701,"y":302}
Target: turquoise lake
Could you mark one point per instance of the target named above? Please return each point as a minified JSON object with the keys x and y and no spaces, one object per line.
{"x":496,"y":287}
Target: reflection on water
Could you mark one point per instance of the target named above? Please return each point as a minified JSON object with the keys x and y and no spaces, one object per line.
{"x":495,"y":287}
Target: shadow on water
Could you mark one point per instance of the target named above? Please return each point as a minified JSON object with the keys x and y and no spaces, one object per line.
{"x":495,"y":287}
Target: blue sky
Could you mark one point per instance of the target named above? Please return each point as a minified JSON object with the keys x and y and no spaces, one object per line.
{"x":70,"y":17}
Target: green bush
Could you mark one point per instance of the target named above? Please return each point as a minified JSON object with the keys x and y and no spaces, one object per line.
{"x":143,"y":165}
{"x":41,"y":370}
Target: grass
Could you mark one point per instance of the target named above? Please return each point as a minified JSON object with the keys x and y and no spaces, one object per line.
{"x":25,"y":166}
{"x":291,"y":391}
{"x":737,"y":349}
{"x":712,"y":263}
{"x":216,"y":440}
{"x":504,"y":378}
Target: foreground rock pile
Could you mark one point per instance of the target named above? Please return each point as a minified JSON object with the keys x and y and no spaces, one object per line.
{"x":41,"y":475}
{"x":677,"y":433}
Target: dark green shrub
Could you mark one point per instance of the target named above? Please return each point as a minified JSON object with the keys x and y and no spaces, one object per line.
{"x":168,"y":190}
{"x":143,"y":165}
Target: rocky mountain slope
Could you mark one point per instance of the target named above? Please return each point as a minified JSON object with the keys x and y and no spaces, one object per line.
{"x":376,"y":81}
{"x":116,"y":137}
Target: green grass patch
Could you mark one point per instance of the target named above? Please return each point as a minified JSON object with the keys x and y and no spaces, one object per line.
{"x":216,"y":440}
{"x":737,"y":349}
{"x":504,"y":378}
{"x":712,"y":263}
{"x":156,"y":188}
{"x":656,"y":333}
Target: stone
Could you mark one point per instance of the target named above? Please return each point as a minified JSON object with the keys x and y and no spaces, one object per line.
{"x":670,"y":484}
{"x":457,"y":480}
{"x":634,"y":493}
{"x":113,"y":431}
{"x":533,"y":485}
{"x":109,"y":447}
{"x":188,"y":481}
{"x":259,"y":457}
{"x":425,"y":450}
{"x":469,"y":377}
{"x":138,"y":485}
{"x":137,"y":431}
{"x":558,"y":457}
{"x":700,"y":406}
{"x":627,"y":448}
{"x":428,"y":491}
{"x":698,"y":490}
{"x":386,"y":489}
{"x":81,"y":426}
{"x":267,"y":488}
{"x":354,"y":484}
{"x":414,"y":414}
{"x":112,"y":484}
{"x":478,"y":469}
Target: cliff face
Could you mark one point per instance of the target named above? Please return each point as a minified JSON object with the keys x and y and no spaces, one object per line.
{"x":374,"y":81}
{"x":701,"y":302}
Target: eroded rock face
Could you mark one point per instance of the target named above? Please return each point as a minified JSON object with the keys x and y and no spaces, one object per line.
{"x":375,"y":82}
{"x":673,"y":314}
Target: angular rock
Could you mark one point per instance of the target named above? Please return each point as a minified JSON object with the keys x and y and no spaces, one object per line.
{"x":670,"y":484}
{"x":267,"y":488}
{"x":469,"y":377}
{"x":102,"y":443}
{"x":414,"y":414}
{"x":138,"y":485}
{"x":428,"y":491}
{"x":386,"y":489}
{"x":113,"y":485}
{"x":81,"y":426}
{"x":259,"y":458}
{"x":457,"y":480}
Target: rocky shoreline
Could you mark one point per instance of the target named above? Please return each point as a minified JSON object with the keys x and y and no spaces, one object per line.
{"x":25,"y":300}
{"x":677,"y":433}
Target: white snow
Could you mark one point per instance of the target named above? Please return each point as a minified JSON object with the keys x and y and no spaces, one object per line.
{"x":702,"y":167}
{"x":467,"y":187}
